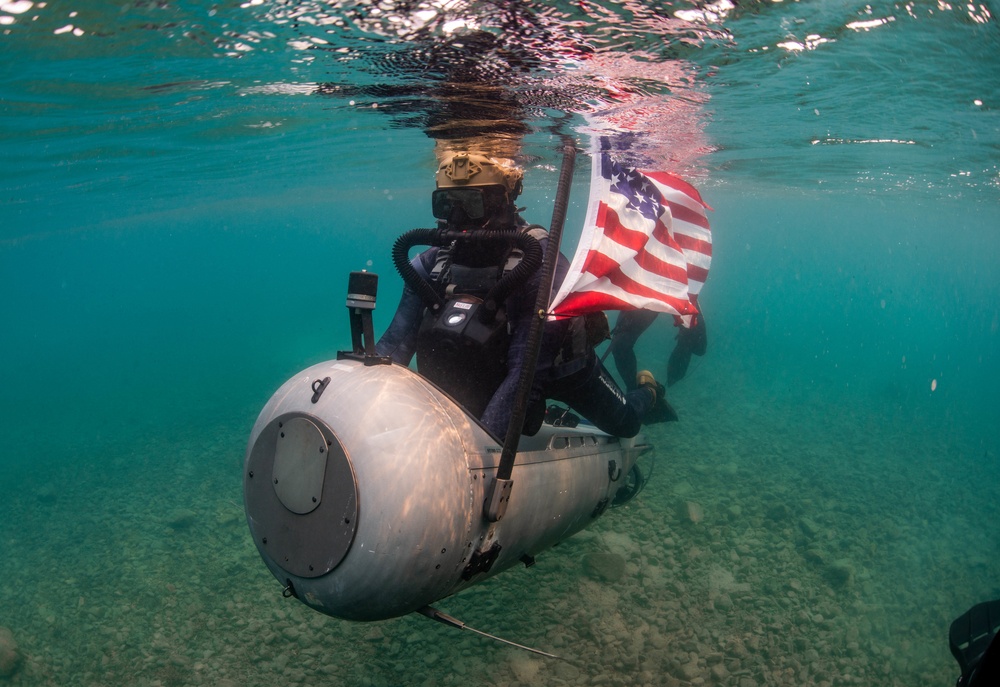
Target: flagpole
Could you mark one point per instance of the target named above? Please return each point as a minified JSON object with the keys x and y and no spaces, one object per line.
{"x":499,"y":490}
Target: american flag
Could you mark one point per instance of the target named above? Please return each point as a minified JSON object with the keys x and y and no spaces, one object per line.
{"x":646,"y":244}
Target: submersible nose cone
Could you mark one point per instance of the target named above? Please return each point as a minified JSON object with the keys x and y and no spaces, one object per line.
{"x":301,"y":495}
{"x":368,"y":504}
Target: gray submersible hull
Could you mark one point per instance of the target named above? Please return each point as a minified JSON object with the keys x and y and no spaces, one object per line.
{"x":364,"y":488}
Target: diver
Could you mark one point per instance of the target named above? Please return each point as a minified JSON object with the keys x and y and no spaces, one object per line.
{"x":475,"y":195}
{"x":631,"y":324}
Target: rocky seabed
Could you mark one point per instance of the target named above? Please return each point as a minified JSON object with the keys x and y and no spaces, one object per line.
{"x":770,"y":547}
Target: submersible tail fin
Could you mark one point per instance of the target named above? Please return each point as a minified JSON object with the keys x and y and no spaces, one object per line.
{"x":444,"y":618}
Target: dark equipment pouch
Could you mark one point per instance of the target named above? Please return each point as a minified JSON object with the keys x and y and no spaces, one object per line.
{"x":463,"y":355}
{"x":596,"y":328}
{"x":582,"y":334}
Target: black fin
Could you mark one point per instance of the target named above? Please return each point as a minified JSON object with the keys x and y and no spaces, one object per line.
{"x":677,"y":365}
{"x":693,"y":341}
{"x":970,"y":637}
{"x":661,"y":411}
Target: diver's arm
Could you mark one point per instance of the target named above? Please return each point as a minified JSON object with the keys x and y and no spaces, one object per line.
{"x":521,"y":308}
{"x":400,"y":338}
{"x":496,"y":417}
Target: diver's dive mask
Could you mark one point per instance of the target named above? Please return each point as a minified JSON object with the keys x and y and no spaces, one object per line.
{"x":471,"y":203}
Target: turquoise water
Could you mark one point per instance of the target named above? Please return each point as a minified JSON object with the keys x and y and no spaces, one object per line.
{"x":185,"y":187}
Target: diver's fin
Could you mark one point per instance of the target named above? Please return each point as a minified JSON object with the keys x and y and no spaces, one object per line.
{"x":435,"y":614}
{"x":690,"y":341}
{"x":677,"y":365}
{"x":696,"y":338}
{"x":970,"y":636}
{"x":661,"y":411}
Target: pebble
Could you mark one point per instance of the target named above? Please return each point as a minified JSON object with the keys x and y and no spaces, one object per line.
{"x":809,"y":528}
{"x":10,"y":655}
{"x":181,"y":519}
{"x":46,"y":493}
{"x":815,"y":556}
{"x":719,"y":672}
{"x":779,"y":512}
{"x":525,"y":668}
{"x":692,"y":511}
{"x":723,"y":602}
{"x":689,"y":671}
{"x":604,"y":567}
{"x":840,"y":573}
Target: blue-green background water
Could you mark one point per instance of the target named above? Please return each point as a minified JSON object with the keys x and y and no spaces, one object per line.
{"x":180,"y":207}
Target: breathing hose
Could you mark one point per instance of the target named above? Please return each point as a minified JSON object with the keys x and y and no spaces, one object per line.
{"x":528,"y":265}
{"x":401,"y":259}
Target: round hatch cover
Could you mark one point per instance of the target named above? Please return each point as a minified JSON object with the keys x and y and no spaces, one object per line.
{"x":299,"y":465}
{"x":297,"y":458}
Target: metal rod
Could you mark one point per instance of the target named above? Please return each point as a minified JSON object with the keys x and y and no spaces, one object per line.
{"x":498,"y":493}
{"x":444,"y":618}
{"x":541,"y":310}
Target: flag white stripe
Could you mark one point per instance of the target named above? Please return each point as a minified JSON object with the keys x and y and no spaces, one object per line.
{"x":654,"y":281}
{"x":692,"y":230}
{"x":654,"y":247}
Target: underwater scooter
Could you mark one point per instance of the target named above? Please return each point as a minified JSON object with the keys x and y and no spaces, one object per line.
{"x":371,"y":493}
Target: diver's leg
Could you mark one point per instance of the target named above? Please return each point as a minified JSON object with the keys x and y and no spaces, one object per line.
{"x":593,"y":393}
{"x":628,"y":328}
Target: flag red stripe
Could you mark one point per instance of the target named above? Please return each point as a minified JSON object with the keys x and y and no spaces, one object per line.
{"x":698,"y":274}
{"x":611,"y":271}
{"x":686,"y":214}
{"x":613,"y":229}
{"x":663,"y":235}
{"x":598,"y":264}
{"x":692,"y":244}
{"x":651,"y":263}
{"x":601,"y":265}
{"x":678,"y":185}
{"x":578,"y":303}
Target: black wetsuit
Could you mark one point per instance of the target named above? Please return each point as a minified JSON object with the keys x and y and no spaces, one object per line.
{"x":582,"y":383}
